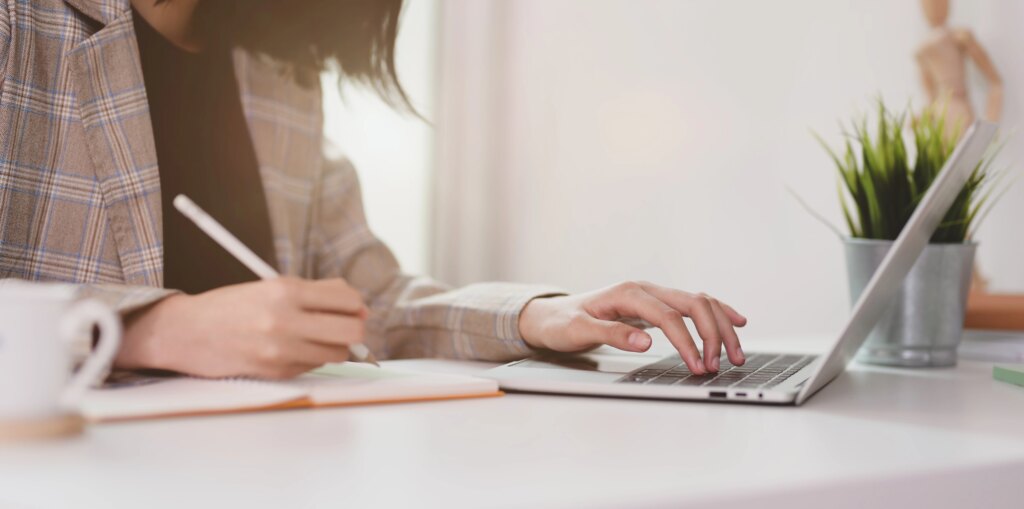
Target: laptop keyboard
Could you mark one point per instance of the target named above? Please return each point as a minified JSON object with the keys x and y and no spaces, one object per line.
{"x":760,"y":371}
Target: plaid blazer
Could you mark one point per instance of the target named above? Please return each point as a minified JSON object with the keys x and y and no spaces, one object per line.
{"x":80,"y":186}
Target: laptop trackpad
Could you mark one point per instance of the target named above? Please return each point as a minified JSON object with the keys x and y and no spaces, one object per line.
{"x":602,"y":366}
{"x":603,"y":362}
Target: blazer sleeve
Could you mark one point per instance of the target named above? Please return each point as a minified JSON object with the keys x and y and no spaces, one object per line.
{"x":411,"y":316}
{"x":5,"y":38}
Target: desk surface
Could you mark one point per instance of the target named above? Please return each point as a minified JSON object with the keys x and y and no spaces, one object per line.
{"x":941,"y":437}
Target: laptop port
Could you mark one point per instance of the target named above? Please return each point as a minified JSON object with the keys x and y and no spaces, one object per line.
{"x":741,"y":394}
{"x":718,"y":394}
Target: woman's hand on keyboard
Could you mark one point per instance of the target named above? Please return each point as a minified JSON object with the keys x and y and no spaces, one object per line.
{"x":580,"y":322}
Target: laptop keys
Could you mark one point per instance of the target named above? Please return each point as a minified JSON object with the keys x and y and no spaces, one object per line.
{"x":695,"y":380}
{"x":760,"y":370}
{"x":665,"y":380}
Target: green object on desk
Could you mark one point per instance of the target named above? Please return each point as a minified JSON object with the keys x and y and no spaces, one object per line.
{"x":1013,"y":374}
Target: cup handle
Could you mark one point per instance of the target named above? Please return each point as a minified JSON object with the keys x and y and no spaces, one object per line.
{"x":90,"y":313}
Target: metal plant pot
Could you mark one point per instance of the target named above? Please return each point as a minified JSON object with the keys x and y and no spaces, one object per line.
{"x":926,"y":318}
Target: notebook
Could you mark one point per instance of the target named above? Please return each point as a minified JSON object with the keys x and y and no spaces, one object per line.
{"x":332,"y":385}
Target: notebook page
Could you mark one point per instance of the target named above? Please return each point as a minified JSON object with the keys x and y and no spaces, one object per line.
{"x":351,"y":383}
{"x":178,"y":396}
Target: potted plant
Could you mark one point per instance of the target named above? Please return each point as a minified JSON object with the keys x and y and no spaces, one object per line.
{"x":880,"y":185}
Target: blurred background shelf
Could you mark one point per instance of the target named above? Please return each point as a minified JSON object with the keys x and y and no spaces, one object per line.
{"x":995,"y":312}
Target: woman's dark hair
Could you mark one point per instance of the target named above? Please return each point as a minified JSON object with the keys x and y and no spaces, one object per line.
{"x":309,"y":36}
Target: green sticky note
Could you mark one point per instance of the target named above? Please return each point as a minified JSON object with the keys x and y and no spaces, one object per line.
{"x":1013,"y":374}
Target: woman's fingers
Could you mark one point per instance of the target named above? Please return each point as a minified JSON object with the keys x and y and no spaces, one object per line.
{"x":589,"y":331}
{"x":668,"y":294}
{"x":329,"y":295}
{"x":705,"y":309}
{"x":327,"y":328}
{"x":633,"y":301}
{"x":700,"y":308}
{"x":737,"y":319}
{"x":729,"y":337}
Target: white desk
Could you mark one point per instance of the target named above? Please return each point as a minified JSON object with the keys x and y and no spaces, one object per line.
{"x":873,"y":438}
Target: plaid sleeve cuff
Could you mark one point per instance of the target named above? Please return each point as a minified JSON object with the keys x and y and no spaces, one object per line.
{"x":483,"y":319}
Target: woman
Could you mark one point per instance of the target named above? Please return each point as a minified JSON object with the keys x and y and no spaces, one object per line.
{"x":112,"y":107}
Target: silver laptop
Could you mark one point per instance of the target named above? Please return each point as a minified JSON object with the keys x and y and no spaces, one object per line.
{"x":765,"y":377}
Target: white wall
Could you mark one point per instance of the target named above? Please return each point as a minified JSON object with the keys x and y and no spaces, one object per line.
{"x":392,"y":151}
{"x":654,"y":140}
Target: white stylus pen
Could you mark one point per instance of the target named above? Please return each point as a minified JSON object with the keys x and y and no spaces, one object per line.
{"x":242,"y":253}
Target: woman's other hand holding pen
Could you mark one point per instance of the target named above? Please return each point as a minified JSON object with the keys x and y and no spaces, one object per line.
{"x":277,"y":328}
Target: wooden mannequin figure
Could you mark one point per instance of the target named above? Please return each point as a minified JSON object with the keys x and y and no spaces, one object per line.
{"x":942,"y":60}
{"x":943,"y":63}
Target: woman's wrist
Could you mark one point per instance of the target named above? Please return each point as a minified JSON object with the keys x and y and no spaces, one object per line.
{"x":532,"y":318}
{"x":145,"y":331}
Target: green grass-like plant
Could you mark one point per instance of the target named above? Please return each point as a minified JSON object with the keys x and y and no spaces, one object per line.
{"x":879,"y":188}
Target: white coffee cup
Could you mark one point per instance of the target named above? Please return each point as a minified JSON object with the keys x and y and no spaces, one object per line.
{"x":39,"y":324}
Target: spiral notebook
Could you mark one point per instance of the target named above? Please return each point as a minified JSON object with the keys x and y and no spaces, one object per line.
{"x":331,"y":385}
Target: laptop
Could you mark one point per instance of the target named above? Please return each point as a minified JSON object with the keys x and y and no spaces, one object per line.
{"x":767,"y":378}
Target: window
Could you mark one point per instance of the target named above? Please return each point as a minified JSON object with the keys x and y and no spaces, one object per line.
{"x":392,"y":151}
